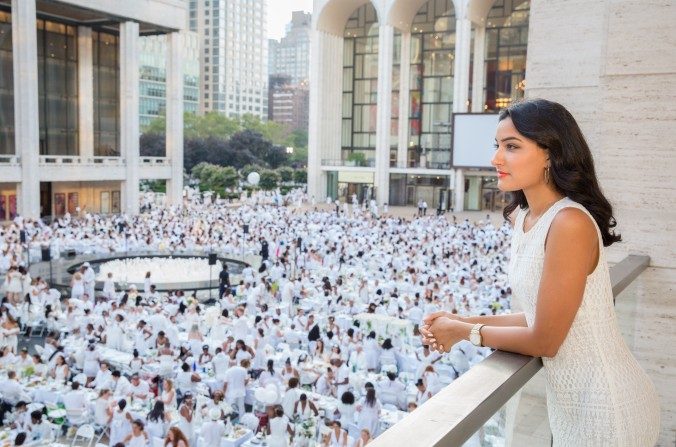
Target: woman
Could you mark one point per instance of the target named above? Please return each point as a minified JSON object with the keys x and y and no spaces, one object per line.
{"x":60,"y":372}
{"x":185,"y":417}
{"x":102,"y":409}
{"x":120,"y":425}
{"x":364,"y":438}
{"x":269,"y":375}
{"x":14,"y":286}
{"x":138,"y":437}
{"x":319,"y":351}
{"x":90,"y":362}
{"x":346,"y":408}
{"x":369,"y":411}
{"x":136,"y":362}
{"x":563,"y":288}
{"x":337,"y":436}
{"x":387,"y":357}
{"x":372,"y":352}
{"x":156,"y":421}
{"x":10,"y":329}
{"x":304,"y":409}
{"x":280,"y":429}
{"x":168,"y":396}
{"x":176,"y":438}
{"x":77,"y":286}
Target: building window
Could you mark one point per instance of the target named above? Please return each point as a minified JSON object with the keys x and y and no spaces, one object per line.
{"x":57,"y":88}
{"x":106,"y":95}
{"x":431,"y":85}
{"x":6,"y":87}
{"x":360,"y":86}
{"x":506,"y":41}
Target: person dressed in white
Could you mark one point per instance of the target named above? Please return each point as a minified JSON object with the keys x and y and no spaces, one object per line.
{"x":186,"y":417}
{"x":214,"y":429}
{"x":563,"y":288}
{"x":235,"y":385}
{"x":280,"y":429}
{"x":109,"y":286}
{"x":120,"y":425}
{"x":369,"y":412}
{"x":138,"y":436}
{"x":156,"y":421}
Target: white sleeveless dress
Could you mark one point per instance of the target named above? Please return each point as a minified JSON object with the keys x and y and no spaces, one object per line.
{"x":597,"y":394}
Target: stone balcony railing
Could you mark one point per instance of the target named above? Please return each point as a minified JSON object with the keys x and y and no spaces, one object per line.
{"x":461,"y":409}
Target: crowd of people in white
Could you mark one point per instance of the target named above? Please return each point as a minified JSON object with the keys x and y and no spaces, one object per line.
{"x":317,"y":345}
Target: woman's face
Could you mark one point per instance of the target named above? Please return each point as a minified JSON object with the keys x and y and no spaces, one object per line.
{"x":520,"y":162}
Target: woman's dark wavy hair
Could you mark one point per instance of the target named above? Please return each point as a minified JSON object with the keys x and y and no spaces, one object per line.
{"x":554,"y":129}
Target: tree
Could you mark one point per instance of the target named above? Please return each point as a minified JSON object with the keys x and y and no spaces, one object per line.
{"x":275,"y":156}
{"x":300,"y":176}
{"x":285,"y":173}
{"x":152,"y":145}
{"x":269,"y":179}
{"x":223,"y":177}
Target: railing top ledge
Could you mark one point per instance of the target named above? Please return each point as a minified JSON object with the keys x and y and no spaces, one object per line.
{"x":454,"y":414}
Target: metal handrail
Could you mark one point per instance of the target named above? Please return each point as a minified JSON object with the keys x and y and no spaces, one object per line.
{"x":454,"y":414}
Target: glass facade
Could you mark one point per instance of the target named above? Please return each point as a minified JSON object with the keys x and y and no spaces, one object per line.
{"x":153,"y":77}
{"x":57,"y":88}
{"x":431,"y":85}
{"x":360,"y":87}
{"x":106,"y":95}
{"x":506,"y":41}
{"x":6,"y":87}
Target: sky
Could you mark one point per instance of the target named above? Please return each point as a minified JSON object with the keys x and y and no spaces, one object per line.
{"x":279,"y":14}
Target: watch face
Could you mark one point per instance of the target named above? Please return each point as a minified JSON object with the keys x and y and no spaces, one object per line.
{"x":475,"y":339}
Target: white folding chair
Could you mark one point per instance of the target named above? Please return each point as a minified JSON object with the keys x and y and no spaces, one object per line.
{"x":84,"y":432}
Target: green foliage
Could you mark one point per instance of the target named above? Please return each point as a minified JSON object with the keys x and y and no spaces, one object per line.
{"x":300,"y":176}
{"x":285,"y":173}
{"x":358,"y":158}
{"x":269,"y":179}
{"x":215,"y":178}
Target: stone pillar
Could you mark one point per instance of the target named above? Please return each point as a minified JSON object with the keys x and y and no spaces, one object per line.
{"x":129,"y":114}
{"x":85,"y":91}
{"x":174,"y":117}
{"x":384,"y":116}
{"x":463,"y":35}
{"x":479,"y":69}
{"x":404,"y":98}
{"x":326,"y":77}
{"x":459,"y":204}
{"x":26,"y":118}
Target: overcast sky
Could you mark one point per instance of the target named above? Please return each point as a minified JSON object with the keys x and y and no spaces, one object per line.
{"x":279,"y":14}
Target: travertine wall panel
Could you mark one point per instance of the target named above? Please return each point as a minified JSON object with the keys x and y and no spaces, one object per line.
{"x":614,"y":67}
{"x":640,"y":37}
{"x":564,"y":45}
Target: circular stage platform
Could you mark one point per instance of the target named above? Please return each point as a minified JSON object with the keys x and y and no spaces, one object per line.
{"x":59,"y":272}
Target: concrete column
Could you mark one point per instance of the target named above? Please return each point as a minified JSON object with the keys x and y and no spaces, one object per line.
{"x":26,"y":118}
{"x":174,"y":116}
{"x":404,"y":98}
{"x":463,"y":35}
{"x":85,"y":91}
{"x":459,"y":204}
{"x":479,"y":69}
{"x":316,"y":98}
{"x":129,"y":116}
{"x":384,"y":116}
{"x":326,"y":77}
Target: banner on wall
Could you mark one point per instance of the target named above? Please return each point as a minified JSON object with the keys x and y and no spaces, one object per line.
{"x":59,"y":204}
{"x":73,"y":202}
{"x":105,"y":202}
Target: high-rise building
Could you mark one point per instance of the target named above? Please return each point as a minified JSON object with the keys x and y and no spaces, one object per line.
{"x":153,"y":76}
{"x":291,"y":55}
{"x":234,"y":55}
{"x":69,"y":106}
{"x":290,"y":105}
